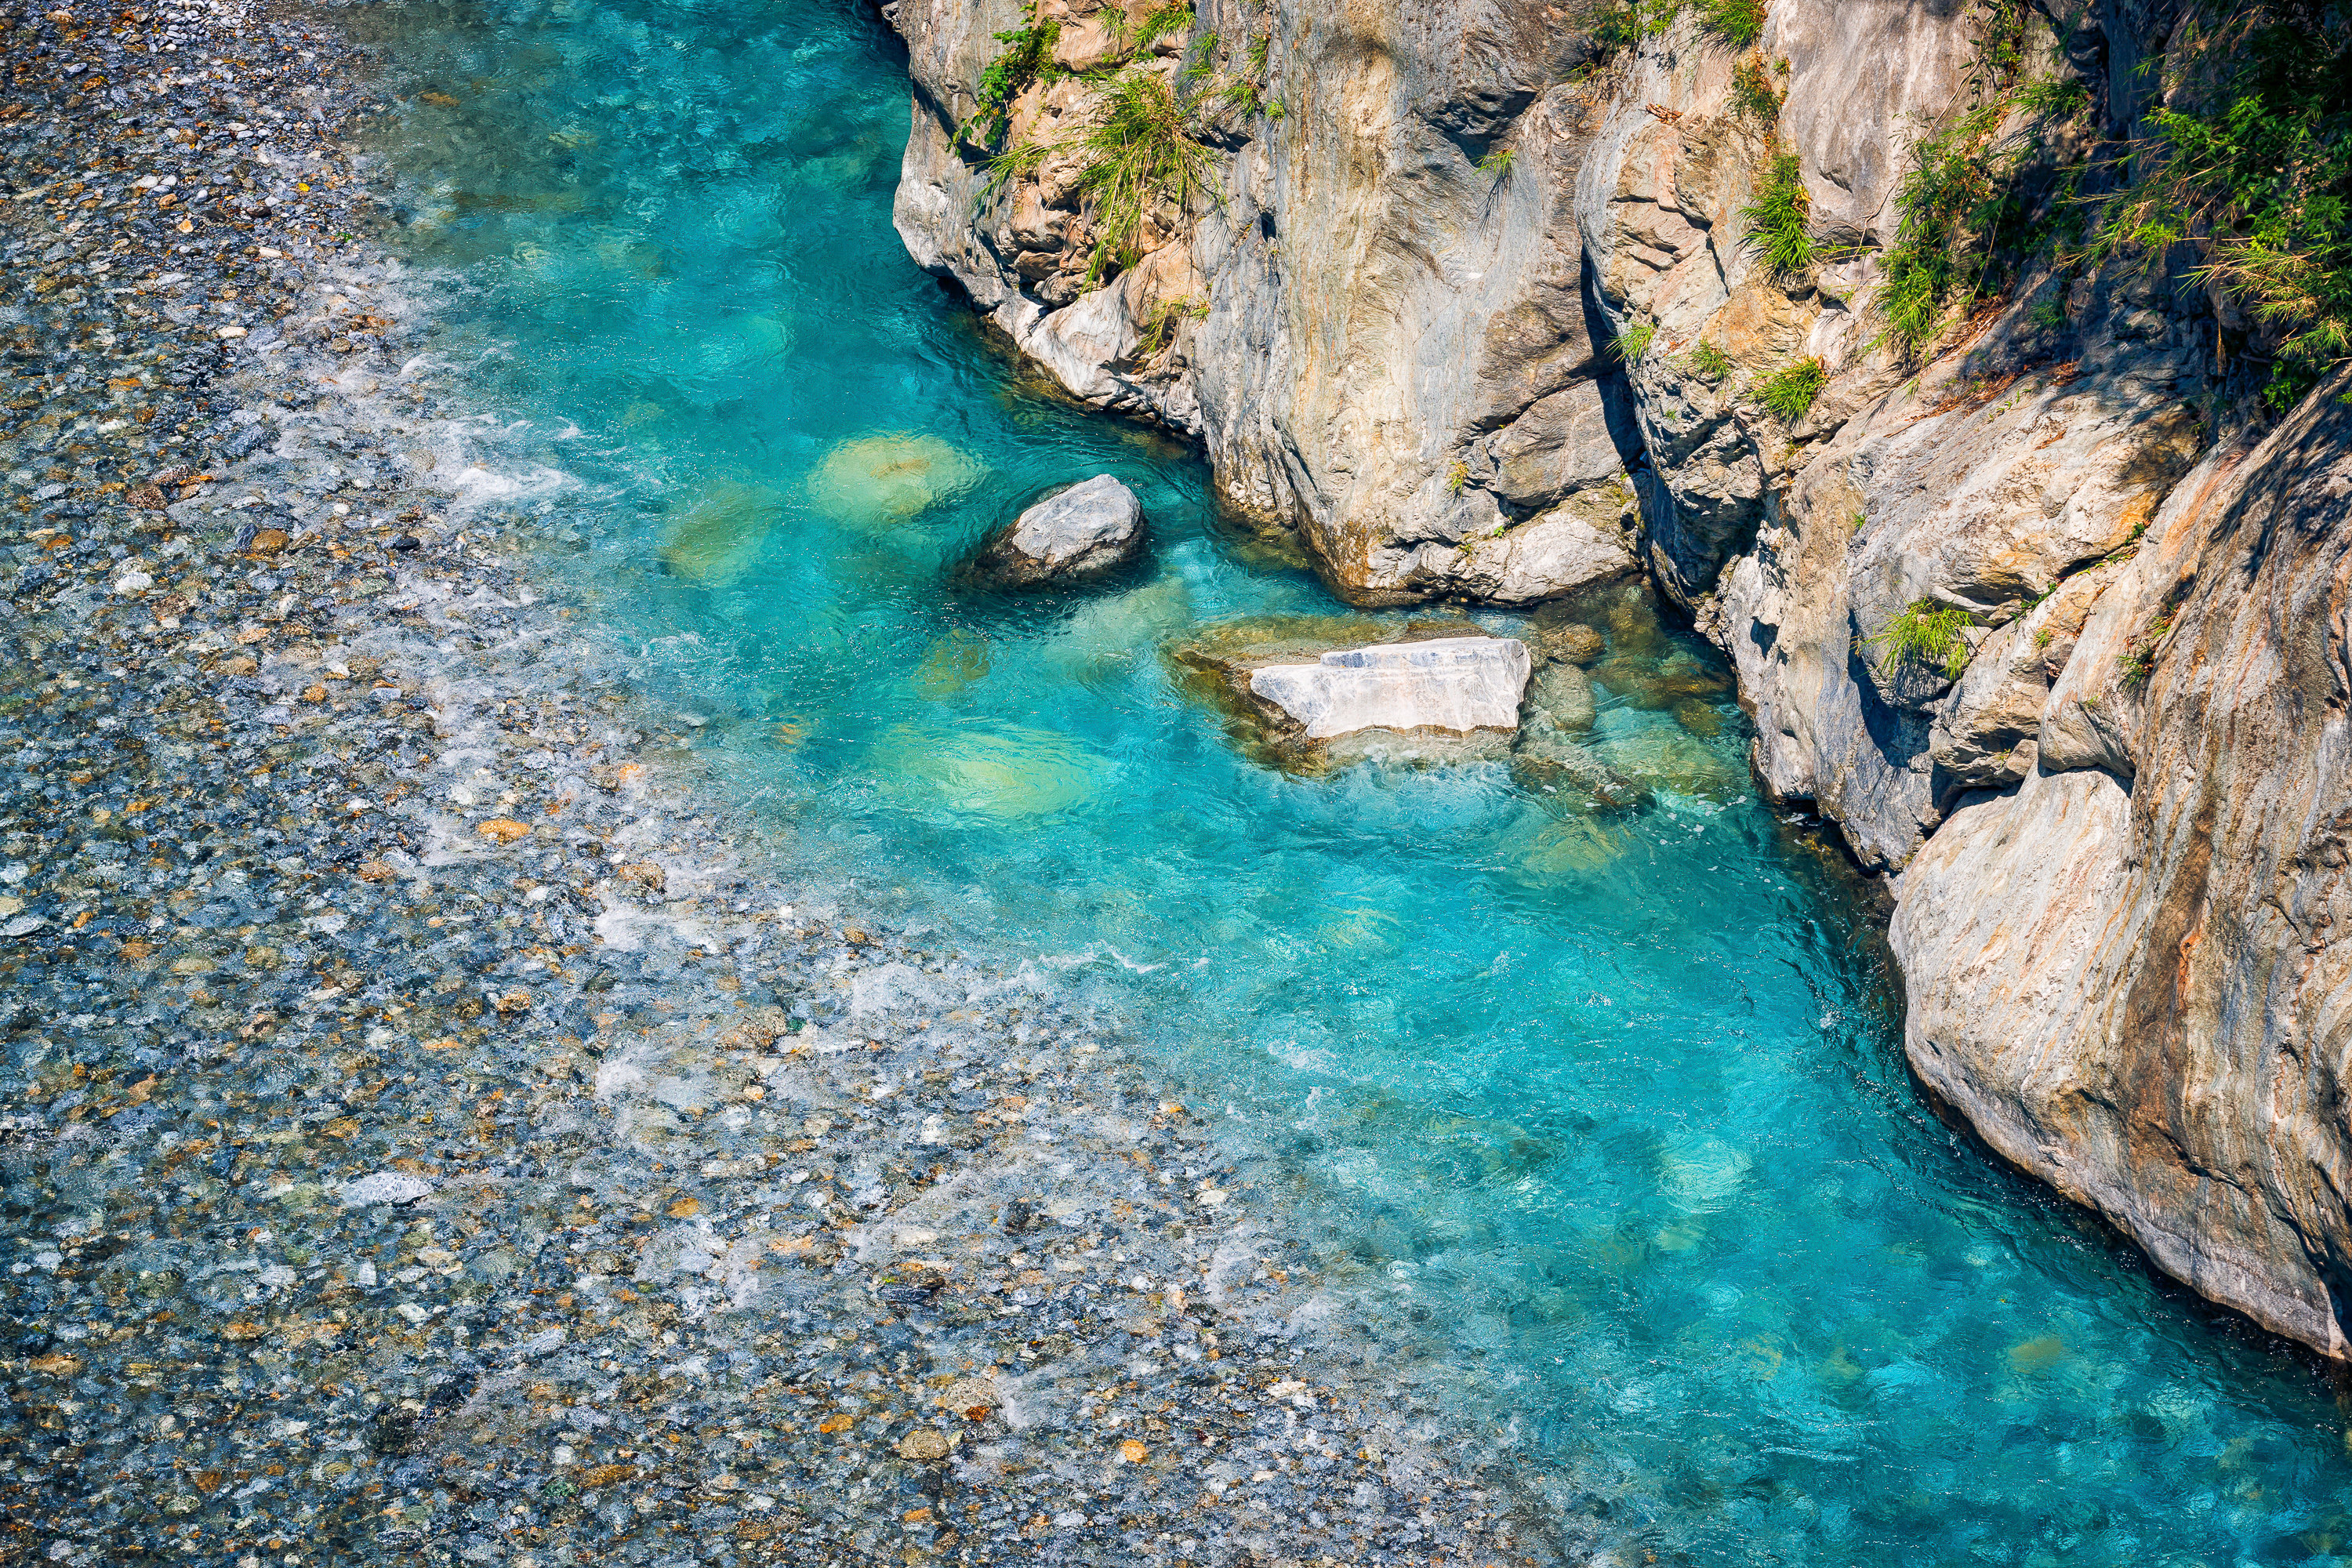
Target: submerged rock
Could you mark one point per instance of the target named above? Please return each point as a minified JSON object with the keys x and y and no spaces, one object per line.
{"x":1084,"y":531}
{"x":876,"y":482}
{"x":718,"y":536}
{"x":1456,"y":684}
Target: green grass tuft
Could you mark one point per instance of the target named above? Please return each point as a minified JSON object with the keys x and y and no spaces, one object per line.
{"x":1928,"y":636}
{"x":1739,"y":23}
{"x":1634,"y":341}
{"x":1498,"y":163}
{"x":1243,"y":97}
{"x":1162,"y":22}
{"x":1140,"y":152}
{"x":1710,"y":361}
{"x":1755,"y":95}
{"x":1789,"y":392}
{"x":1776,"y":218}
{"x":1157,"y":329}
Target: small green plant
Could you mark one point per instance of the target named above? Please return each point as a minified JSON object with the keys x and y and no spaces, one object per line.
{"x":1859,"y":520}
{"x":1459,"y":477}
{"x":1158,"y":330}
{"x":2139,"y":657}
{"x":1140,"y":152}
{"x":1928,"y":636}
{"x":1754,"y":94}
{"x":2044,"y":637}
{"x":1007,"y":76}
{"x":1242,"y":97}
{"x":1256,"y":52}
{"x":1633,"y":341}
{"x":1273,"y":110}
{"x":1497,"y":163}
{"x":1708,"y":361}
{"x":1737,"y":22}
{"x":2054,"y":98}
{"x":2048,"y":314}
{"x":1162,"y":22}
{"x":1776,"y":218}
{"x":1790,"y":391}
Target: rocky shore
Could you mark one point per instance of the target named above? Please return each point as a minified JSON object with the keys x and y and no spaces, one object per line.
{"x":428,"y":1133}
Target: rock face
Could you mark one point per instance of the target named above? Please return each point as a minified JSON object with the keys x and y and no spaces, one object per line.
{"x":1456,"y":684}
{"x":2047,"y":642}
{"x":1089,"y":528}
{"x":2125,"y":969}
{"x":1383,"y":345}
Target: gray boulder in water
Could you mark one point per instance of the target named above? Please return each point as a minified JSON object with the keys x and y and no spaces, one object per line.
{"x":1457,"y":684}
{"x":1091,"y":528}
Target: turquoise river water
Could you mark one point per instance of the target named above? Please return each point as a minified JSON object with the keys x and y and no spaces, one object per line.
{"x":1612,"y":1108}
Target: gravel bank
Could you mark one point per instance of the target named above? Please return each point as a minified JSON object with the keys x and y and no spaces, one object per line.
{"x":427,"y":1133}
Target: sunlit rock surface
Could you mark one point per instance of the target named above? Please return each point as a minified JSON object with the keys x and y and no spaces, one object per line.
{"x":1086,"y":530}
{"x":1456,"y":684}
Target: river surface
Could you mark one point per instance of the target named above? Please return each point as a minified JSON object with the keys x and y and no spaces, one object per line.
{"x":1604,"y":1113}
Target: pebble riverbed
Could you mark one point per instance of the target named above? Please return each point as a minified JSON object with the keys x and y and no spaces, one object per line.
{"x":427,"y":1133}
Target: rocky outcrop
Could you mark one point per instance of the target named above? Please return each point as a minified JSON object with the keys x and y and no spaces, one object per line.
{"x":2125,"y":969}
{"x":1091,"y":528}
{"x":2028,"y":611}
{"x":1452,"y":684}
{"x":1384,"y":345}
{"x":1660,"y":197}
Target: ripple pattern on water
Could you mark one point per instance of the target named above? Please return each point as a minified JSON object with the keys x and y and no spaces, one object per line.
{"x":1585,"y":1074}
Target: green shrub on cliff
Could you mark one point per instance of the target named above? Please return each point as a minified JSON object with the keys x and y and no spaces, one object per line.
{"x":1952,"y":206}
{"x":1139,"y":151}
{"x":1928,"y":636}
{"x":1737,"y":22}
{"x":1789,"y":392}
{"x":1776,"y":219}
{"x":2250,"y":157}
{"x":1008,"y":76}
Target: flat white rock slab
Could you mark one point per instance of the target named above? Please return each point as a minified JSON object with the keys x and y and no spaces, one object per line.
{"x":1449,"y":683}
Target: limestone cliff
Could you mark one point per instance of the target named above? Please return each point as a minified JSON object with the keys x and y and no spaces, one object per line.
{"x":2024,"y":600}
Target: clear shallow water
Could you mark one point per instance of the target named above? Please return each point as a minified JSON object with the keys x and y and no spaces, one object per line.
{"x":1602,"y":1117}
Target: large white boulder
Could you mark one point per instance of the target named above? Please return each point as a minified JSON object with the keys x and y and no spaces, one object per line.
{"x":1457,"y":684}
{"x":1083,"y":531}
